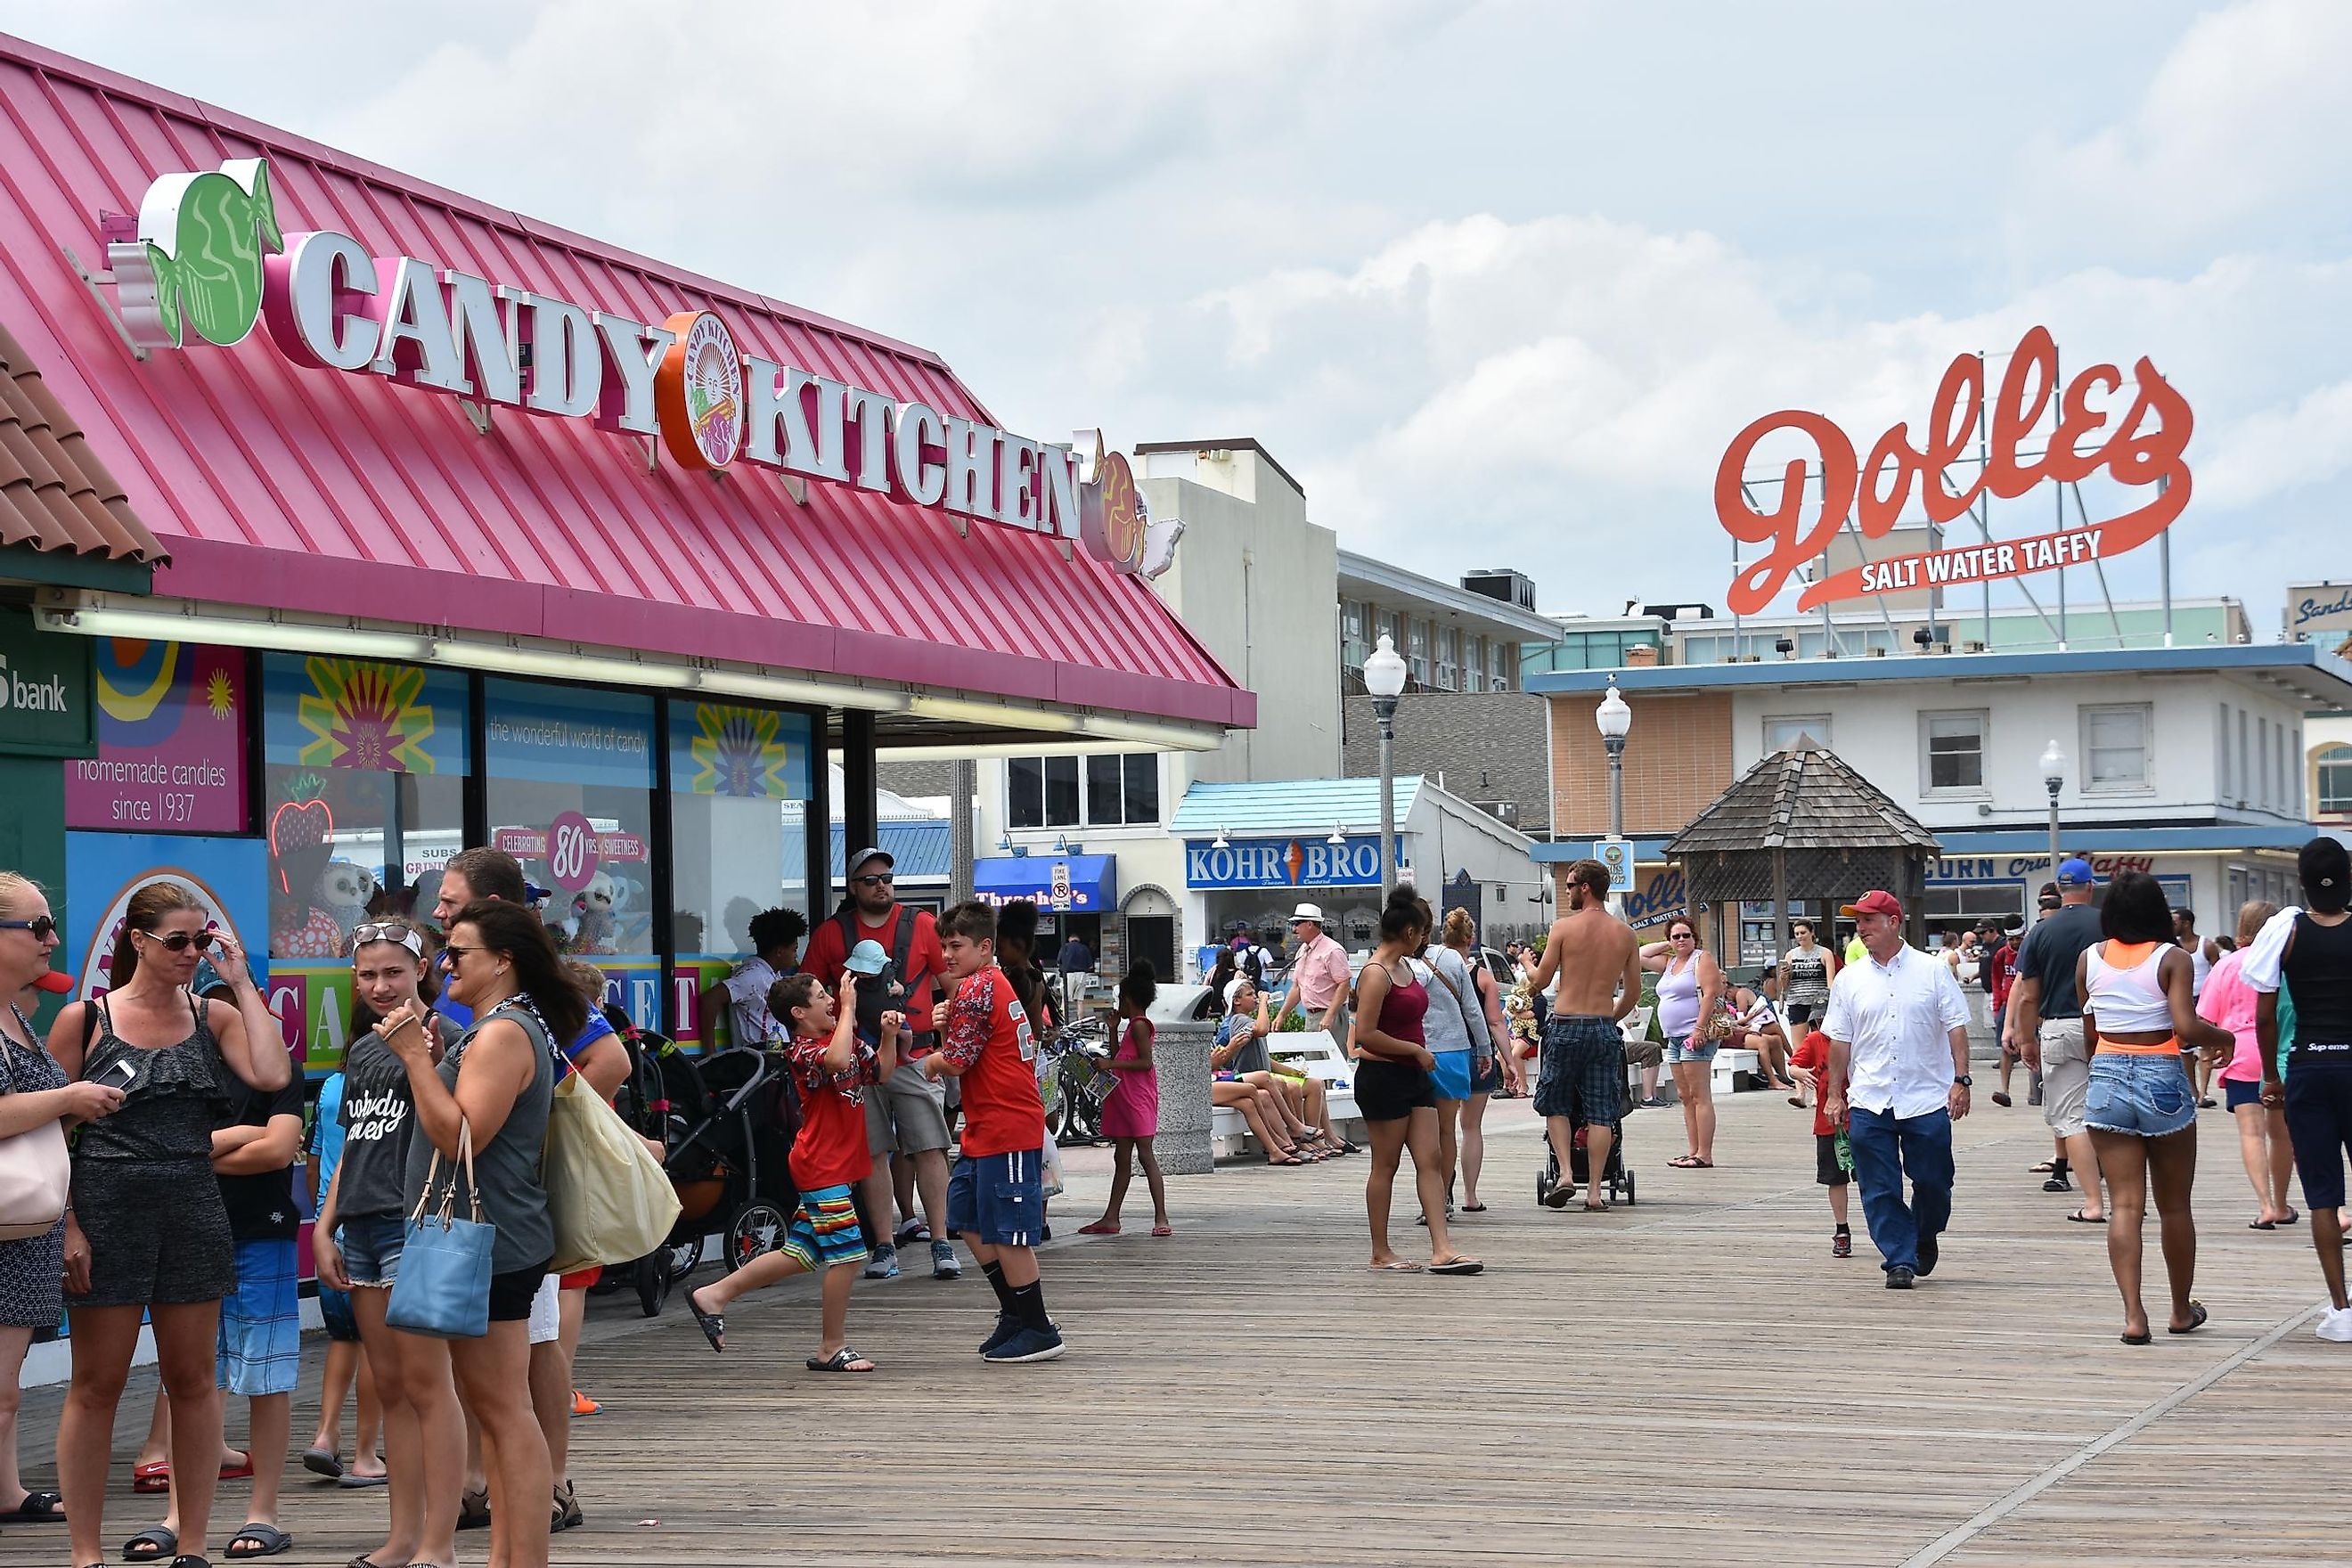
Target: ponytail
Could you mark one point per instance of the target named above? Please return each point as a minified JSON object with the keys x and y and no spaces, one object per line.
{"x":145,"y":912}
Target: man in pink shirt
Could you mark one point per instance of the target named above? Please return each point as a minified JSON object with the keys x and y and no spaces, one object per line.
{"x":1320,"y":980}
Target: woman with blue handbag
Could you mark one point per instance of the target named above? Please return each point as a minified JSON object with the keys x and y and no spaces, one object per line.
{"x":482,"y":1117}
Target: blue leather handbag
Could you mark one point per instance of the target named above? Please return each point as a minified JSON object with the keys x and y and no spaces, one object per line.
{"x":442,"y":1288}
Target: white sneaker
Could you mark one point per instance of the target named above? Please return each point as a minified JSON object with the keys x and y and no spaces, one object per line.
{"x":2335,"y":1324}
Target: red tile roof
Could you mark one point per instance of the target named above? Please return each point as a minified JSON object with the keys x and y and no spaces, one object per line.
{"x":324,"y":492}
{"x":54,"y":494}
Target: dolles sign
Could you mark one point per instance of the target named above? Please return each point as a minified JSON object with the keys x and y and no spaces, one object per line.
{"x":210,"y":260}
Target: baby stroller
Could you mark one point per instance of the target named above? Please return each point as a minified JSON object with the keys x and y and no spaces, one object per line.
{"x":1620,"y":1179}
{"x":725,"y":1123}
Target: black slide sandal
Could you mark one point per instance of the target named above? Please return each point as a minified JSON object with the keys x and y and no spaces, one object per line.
{"x":712,"y":1324}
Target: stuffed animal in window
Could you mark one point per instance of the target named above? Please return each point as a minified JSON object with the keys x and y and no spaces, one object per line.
{"x":595,"y":927}
{"x":345,"y":891}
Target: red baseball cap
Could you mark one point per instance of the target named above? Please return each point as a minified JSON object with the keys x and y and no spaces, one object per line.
{"x":1877,"y":901}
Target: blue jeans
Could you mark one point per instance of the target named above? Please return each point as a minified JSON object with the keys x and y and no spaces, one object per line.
{"x":1885,"y":1149}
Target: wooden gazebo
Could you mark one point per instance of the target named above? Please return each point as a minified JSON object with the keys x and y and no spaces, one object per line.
{"x":1801,"y":824}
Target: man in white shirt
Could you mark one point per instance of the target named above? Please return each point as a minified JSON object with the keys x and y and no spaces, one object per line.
{"x":1899,"y":1029}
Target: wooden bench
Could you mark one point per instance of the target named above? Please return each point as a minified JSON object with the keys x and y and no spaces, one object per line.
{"x":1315,"y":1054}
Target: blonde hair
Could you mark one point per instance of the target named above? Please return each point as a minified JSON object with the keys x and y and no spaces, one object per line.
{"x":2252,"y":916}
{"x":588,"y":980}
{"x":1459,"y":931}
{"x":15,"y":889}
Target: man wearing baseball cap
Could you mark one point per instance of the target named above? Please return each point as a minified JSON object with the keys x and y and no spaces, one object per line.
{"x":1899,"y":1029}
{"x":2045,"y":1014}
{"x":908,"y":1112}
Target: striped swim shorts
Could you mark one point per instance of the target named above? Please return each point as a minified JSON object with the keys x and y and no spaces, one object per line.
{"x":261,"y":1320}
{"x":823,"y":1233}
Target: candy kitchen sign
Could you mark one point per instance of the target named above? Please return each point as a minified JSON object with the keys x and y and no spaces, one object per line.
{"x":206,"y":259}
{"x":2145,"y":449}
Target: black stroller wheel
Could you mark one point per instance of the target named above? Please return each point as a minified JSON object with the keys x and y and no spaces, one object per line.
{"x":680,"y":1258}
{"x":757,"y":1229}
{"x":653,"y":1283}
{"x":1629,"y":1189}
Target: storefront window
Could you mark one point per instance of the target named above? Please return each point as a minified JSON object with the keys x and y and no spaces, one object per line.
{"x":2336,"y":779}
{"x":364,"y":793}
{"x":570,"y":783}
{"x":1113,"y":791}
{"x":731,"y":770}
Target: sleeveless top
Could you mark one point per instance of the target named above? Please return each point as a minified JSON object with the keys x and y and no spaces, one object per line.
{"x":2126,"y":1001}
{"x":177,"y":1095}
{"x":2200,"y":966}
{"x":27,"y":1071}
{"x":1809,"y":976}
{"x":513,"y":1199}
{"x":2319,"y":969}
{"x":1402,"y":1009}
{"x":1679,"y":998}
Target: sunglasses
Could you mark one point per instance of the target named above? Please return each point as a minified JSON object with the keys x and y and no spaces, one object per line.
{"x":181,"y":940}
{"x":391,"y":931}
{"x":43,"y":926}
{"x":1682,"y":936}
{"x":875,"y":881}
{"x":451,"y":952}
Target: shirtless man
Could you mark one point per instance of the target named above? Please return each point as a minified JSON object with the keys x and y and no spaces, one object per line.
{"x":1581,"y":1075}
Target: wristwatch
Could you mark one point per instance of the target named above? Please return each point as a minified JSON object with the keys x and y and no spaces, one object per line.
{"x":1964,"y":1080}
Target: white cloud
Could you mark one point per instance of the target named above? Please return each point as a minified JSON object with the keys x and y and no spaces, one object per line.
{"x":2277,"y":449}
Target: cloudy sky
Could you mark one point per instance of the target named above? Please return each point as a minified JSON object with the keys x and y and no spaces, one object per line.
{"x":1499,"y":281}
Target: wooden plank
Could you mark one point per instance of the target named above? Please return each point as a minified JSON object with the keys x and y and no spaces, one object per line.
{"x":1693,"y":1379}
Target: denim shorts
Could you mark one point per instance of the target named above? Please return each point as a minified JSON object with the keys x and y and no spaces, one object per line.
{"x":372,"y":1248}
{"x":997,"y":1198}
{"x":1691,"y":1048}
{"x":2147,"y":1095}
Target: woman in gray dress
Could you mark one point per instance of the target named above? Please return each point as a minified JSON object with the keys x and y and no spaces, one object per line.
{"x":33,"y":1091}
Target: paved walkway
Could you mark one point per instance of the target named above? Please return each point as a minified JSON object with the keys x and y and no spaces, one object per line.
{"x":1690,"y":1380}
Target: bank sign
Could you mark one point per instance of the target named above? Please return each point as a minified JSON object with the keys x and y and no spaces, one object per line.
{"x":209,"y":261}
{"x":1284,"y":863}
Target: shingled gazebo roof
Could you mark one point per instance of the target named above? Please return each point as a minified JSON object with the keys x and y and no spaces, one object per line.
{"x":1801,"y":798}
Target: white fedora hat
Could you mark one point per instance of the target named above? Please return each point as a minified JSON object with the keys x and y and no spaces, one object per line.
{"x":1308,"y":913}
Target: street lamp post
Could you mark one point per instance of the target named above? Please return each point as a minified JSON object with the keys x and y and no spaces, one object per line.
{"x":1384,"y":679}
{"x":1614,"y":718}
{"x":2053,"y":775}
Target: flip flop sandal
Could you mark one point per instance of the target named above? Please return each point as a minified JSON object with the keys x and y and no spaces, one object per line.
{"x":268,"y":1542}
{"x":1457,"y":1265}
{"x":2262,"y":1225}
{"x":712,"y":1324}
{"x":2141,"y":1339}
{"x":1687,"y":1162}
{"x":159,"y":1544}
{"x":2292,"y":1216}
{"x":36,"y":1509}
{"x":352,"y":1479}
{"x":323,"y":1462}
{"x":2197,"y":1319}
{"x":1473,"y":1208}
{"x":474,"y":1510}
{"x":1399,"y":1266}
{"x":1098,"y":1228}
{"x":1596,"y":1208}
{"x":1163,"y":1230}
{"x":2043,"y":1169}
{"x":190,"y":1560}
{"x":2079,"y":1218}
{"x":846,"y":1359}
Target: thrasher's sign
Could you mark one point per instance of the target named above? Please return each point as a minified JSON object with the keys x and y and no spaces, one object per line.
{"x":2147,"y":448}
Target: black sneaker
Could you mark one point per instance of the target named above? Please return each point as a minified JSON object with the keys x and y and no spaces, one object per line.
{"x":1842,"y":1245}
{"x":1007,"y":1325}
{"x":1928,"y":1252}
{"x":1898,"y":1277}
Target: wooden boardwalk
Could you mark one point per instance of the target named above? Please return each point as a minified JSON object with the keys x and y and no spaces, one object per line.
{"x":1690,"y":1380}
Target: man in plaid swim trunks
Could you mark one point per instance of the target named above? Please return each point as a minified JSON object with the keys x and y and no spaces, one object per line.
{"x":1581,"y":1079}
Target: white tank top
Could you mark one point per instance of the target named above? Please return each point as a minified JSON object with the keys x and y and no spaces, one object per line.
{"x":2127,"y":1001}
{"x":2199,"y":966}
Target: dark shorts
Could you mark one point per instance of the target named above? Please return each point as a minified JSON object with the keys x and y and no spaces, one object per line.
{"x":1799,"y":1012}
{"x":335,"y":1313}
{"x":158,"y":1233}
{"x":1390,"y":1091}
{"x":999,"y":1198}
{"x":2238,"y":1091}
{"x":512,"y":1293}
{"x":1827,"y":1172}
{"x":2319,"y":1125}
{"x":1485,"y":1073}
{"x":1581,"y":1075}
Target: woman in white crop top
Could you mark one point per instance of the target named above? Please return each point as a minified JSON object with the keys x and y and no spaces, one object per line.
{"x":2139,"y":1013}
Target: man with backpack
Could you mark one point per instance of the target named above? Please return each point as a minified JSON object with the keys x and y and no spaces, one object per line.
{"x":907,"y":1113}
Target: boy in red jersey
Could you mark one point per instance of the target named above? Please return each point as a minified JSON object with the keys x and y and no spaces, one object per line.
{"x":994,"y":1198}
{"x":1810,"y":1067}
{"x":833,"y":1070}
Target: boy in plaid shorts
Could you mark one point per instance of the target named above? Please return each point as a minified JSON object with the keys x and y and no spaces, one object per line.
{"x":833,"y":1070}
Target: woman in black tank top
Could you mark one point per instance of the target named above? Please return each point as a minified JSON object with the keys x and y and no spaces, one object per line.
{"x":147,"y":1231}
{"x":2316,"y":968}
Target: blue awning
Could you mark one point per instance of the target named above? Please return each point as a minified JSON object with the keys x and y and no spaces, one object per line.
{"x":1093,"y":880}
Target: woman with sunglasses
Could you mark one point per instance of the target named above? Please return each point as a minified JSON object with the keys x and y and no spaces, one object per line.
{"x":148,"y":1232}
{"x":362,"y":1218}
{"x":494,"y":1087}
{"x":33,"y":1090}
{"x":1690,"y":989}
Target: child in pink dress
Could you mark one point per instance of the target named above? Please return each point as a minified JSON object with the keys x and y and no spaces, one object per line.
{"x":1131,"y":1114}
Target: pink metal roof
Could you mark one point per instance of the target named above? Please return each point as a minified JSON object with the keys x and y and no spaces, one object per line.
{"x":319,"y":490}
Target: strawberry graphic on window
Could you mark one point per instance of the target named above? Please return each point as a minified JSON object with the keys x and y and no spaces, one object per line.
{"x":299,"y":834}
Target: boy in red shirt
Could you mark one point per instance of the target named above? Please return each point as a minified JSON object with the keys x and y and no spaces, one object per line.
{"x":994,"y":1198}
{"x":833,"y":1070}
{"x":1812,"y":1064}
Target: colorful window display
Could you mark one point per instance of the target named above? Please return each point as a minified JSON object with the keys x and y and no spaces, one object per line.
{"x":171,"y":741}
{"x":363,"y":793}
{"x":731,"y":769}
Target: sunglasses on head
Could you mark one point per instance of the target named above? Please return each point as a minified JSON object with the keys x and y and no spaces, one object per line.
{"x":181,"y":940}
{"x":388,"y":931}
{"x":43,"y":926}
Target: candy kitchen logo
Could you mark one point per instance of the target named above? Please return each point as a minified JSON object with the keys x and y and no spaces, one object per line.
{"x":208,"y":253}
{"x":2147,"y":448}
{"x":1114,"y":520}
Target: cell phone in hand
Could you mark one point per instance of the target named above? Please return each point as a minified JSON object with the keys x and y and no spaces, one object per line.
{"x":120,"y":1073}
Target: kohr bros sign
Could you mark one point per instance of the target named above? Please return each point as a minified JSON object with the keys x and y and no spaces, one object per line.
{"x":1284,"y":863}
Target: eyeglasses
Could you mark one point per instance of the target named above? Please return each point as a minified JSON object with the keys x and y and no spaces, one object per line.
{"x":879,"y":879}
{"x":43,"y":926}
{"x":179,"y":940}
